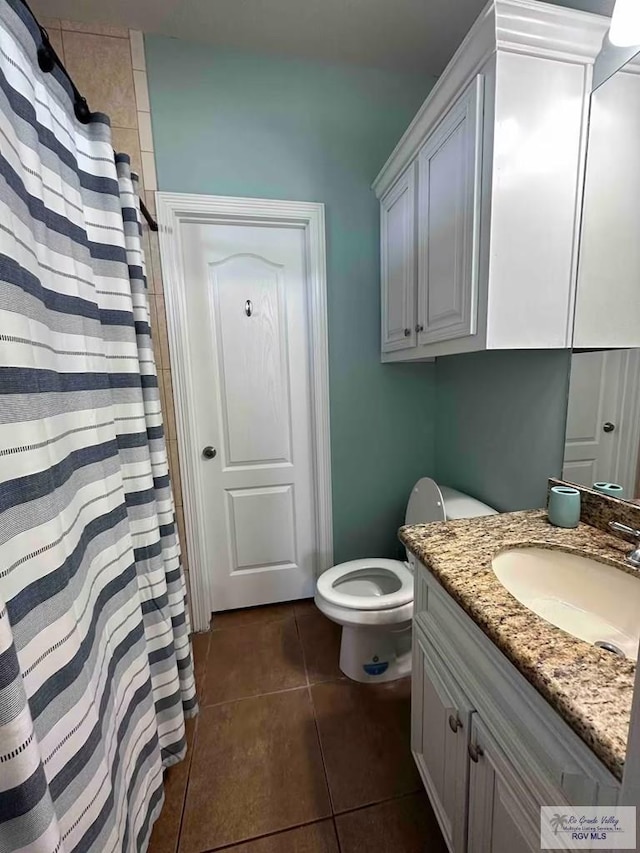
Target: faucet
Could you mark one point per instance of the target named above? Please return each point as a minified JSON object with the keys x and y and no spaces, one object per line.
{"x":633,"y":556}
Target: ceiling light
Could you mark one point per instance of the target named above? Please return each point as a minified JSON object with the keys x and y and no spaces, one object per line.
{"x":625,"y":23}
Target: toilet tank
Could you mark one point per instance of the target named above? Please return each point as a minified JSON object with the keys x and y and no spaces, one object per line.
{"x":430,"y":502}
{"x":459,"y":505}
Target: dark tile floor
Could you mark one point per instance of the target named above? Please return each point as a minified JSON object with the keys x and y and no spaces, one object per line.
{"x":287,"y":755}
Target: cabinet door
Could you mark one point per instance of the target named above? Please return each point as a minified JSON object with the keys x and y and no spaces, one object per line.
{"x":398,"y":263}
{"x":450,"y":165}
{"x":441,"y":717}
{"x":504,"y":817}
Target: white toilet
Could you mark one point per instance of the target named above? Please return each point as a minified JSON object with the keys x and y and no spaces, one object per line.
{"x":373,"y":598}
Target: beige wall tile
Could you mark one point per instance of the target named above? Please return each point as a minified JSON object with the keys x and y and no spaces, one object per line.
{"x":125,"y":141}
{"x":55,"y":37}
{"x":169,"y":412}
{"x":137,"y":50}
{"x":146,"y":248}
{"x":174,"y":470}
{"x":150,"y":201}
{"x":142,"y":91}
{"x":182,"y":533}
{"x":145,"y":131}
{"x":149,"y":170}
{"x":163,"y":402}
{"x":156,"y":267}
{"x":155,"y":332}
{"x":163,"y":334}
{"x":101,"y":69}
{"x":96,"y":29}
{"x":180,"y":522}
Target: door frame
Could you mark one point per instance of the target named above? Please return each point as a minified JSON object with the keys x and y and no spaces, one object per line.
{"x":174,"y":210}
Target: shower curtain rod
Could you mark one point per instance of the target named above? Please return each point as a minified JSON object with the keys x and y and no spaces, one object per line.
{"x":47,"y":60}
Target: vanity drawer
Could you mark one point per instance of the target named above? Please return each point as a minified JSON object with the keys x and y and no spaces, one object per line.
{"x":531,"y":732}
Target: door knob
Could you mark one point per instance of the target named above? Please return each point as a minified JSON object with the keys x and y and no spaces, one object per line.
{"x":608,"y":426}
{"x":209,"y":452}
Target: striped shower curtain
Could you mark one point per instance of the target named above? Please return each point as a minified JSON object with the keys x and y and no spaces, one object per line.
{"x":95,"y":665}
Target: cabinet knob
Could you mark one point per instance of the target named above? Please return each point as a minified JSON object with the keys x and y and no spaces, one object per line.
{"x":419,"y":327}
{"x":608,"y":426}
{"x":475,"y":751}
{"x":454,"y":723}
{"x":407,"y":332}
{"x":209,"y":452}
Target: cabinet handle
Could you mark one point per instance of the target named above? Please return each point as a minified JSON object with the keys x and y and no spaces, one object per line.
{"x":419,"y":328}
{"x":454,"y":723}
{"x":475,"y":751}
{"x":407,"y":332}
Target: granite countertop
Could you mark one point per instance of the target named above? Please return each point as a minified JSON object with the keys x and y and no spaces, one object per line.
{"x":590,"y":688}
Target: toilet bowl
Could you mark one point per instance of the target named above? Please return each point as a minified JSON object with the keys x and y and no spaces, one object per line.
{"x":372,"y":599}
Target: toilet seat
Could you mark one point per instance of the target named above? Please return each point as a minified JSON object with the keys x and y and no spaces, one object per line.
{"x":374,"y":584}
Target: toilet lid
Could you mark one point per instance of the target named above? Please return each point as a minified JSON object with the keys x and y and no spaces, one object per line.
{"x":425,"y":503}
{"x":373,"y":584}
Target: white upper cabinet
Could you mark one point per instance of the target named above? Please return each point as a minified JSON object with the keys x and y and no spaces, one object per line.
{"x":398,"y":256}
{"x":449,"y":222}
{"x":498,"y":154}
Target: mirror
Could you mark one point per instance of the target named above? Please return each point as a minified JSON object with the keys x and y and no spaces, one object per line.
{"x":602,"y":439}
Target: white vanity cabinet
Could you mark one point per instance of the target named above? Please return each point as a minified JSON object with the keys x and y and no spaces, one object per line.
{"x":489,"y":748}
{"x":440,"y":723}
{"x":503,"y":816}
{"x":495,"y":162}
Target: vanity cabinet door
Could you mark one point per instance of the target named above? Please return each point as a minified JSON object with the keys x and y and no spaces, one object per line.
{"x":441,"y":716}
{"x":398,"y":261}
{"x":504,"y":817}
{"x":450,"y":164}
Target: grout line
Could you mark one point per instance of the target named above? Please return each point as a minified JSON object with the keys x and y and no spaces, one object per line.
{"x":337,"y":834}
{"x":273,"y":834}
{"x":254,"y":696}
{"x":186,"y":787}
{"x":322,"y":756}
{"x":379,"y":802}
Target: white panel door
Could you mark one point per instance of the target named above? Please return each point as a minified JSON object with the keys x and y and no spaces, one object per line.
{"x":249,"y":350}
{"x":398,"y":263}
{"x":602,"y":418}
{"x":449,"y":187}
{"x":504,"y":817}
{"x":607,"y":302}
{"x":440,"y":717}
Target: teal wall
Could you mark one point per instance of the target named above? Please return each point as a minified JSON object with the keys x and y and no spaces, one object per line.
{"x":500,"y":424}
{"x":231,"y":123}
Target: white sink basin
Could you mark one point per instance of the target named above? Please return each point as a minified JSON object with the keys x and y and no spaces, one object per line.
{"x":591,"y":600}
